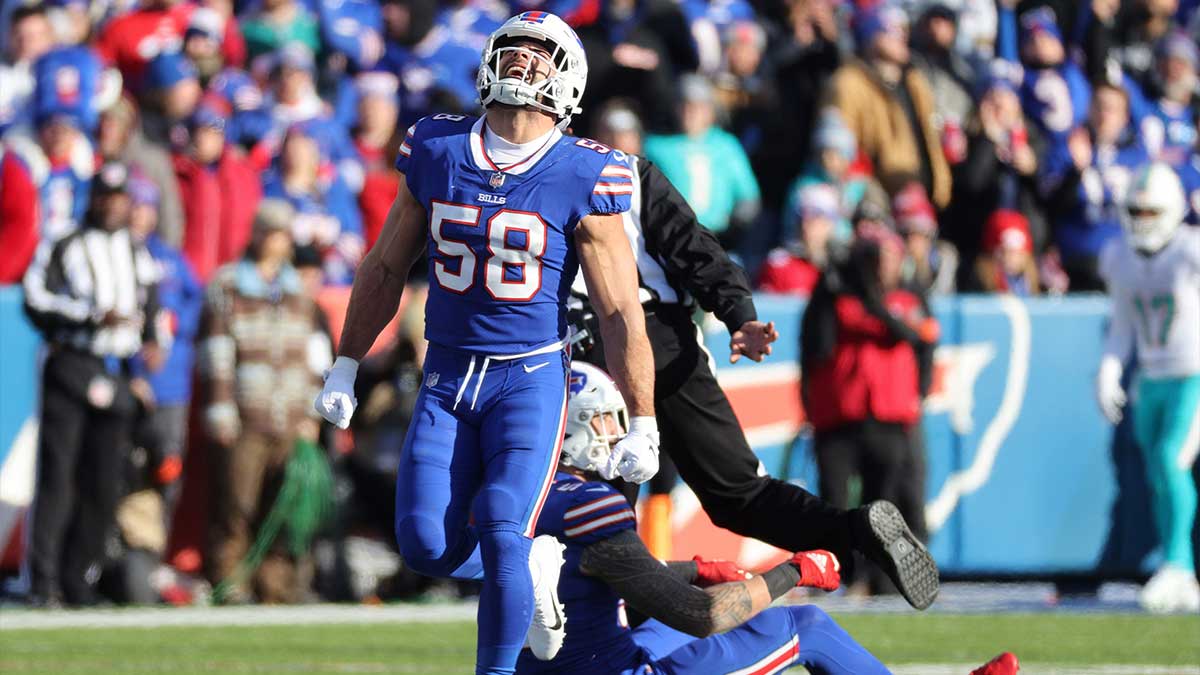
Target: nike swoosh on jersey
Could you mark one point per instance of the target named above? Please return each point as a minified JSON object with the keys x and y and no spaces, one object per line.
{"x":530,"y":369}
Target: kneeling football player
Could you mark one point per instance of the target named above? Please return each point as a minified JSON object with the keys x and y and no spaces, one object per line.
{"x":705,"y":617}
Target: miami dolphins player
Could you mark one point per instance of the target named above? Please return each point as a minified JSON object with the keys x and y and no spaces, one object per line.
{"x":1153,"y":277}
{"x":507,"y":208}
{"x":706,"y":617}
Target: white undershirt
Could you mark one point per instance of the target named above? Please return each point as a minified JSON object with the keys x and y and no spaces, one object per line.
{"x":504,"y":152}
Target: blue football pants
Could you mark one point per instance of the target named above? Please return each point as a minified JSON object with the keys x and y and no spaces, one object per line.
{"x":775,"y":640}
{"x":477,"y":465}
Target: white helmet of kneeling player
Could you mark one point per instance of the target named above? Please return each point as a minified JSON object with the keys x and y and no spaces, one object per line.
{"x":552,"y":81}
{"x":596,"y":418}
{"x":1154,"y":206}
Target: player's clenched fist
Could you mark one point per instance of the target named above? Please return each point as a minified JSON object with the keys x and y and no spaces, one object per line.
{"x":336,"y":401}
{"x":818,"y":569}
{"x":635,"y":457}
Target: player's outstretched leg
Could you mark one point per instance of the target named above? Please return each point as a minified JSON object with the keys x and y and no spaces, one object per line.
{"x":774,"y":640}
{"x":702,"y":435}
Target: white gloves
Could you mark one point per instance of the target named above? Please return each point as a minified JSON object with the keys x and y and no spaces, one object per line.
{"x":635,"y":457}
{"x":1109,"y":393}
{"x":336,"y":401}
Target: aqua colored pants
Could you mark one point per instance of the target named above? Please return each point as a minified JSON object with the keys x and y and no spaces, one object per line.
{"x":1166,"y":424}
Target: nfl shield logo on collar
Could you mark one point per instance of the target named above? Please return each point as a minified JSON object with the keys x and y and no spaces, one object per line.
{"x":496,"y":180}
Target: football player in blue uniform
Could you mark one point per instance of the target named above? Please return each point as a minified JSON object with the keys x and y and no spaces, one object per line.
{"x":507,"y":208}
{"x":705,"y":617}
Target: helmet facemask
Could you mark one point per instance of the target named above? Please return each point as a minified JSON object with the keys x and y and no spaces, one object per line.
{"x":533,"y":81}
{"x":1147,"y":227}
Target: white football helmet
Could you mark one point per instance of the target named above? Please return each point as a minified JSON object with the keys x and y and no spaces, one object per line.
{"x":558,"y":94}
{"x":1154,"y":207}
{"x":592,"y":394}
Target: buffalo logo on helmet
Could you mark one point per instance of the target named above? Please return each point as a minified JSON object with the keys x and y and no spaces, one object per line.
{"x":578,"y":381}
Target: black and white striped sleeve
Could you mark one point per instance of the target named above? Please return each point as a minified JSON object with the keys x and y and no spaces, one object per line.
{"x":53,"y":285}
{"x":689,"y":254}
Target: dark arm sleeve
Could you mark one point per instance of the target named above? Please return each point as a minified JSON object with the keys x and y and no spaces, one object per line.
{"x":684,"y":569}
{"x":691,"y":256}
{"x":648,"y":586}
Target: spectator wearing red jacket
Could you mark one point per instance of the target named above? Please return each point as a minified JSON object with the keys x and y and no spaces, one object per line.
{"x":377,"y":111}
{"x":132,"y":40}
{"x":18,"y":217}
{"x":863,"y":342}
{"x":220,"y":190}
{"x":795,"y":268}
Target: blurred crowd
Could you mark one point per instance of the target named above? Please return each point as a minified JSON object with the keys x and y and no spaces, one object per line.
{"x":180,"y":182}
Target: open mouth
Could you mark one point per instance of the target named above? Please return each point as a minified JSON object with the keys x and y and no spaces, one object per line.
{"x":526,"y":72}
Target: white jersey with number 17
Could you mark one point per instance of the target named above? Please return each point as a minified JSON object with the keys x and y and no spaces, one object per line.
{"x":1157,"y":300}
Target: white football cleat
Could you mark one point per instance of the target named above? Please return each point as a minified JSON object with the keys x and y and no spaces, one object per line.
{"x":547,"y":630}
{"x":1171,"y":589}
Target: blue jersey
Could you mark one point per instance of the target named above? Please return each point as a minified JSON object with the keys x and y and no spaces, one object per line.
{"x":436,"y":66}
{"x":181,"y":295}
{"x":1170,"y":131}
{"x":1056,"y":99}
{"x":1093,"y":218}
{"x":353,"y":28}
{"x":501,"y":244}
{"x":578,"y":514}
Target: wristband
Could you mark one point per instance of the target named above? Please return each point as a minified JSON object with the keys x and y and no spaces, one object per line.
{"x":344,"y":366}
{"x":781,"y":579}
{"x":1110,"y":368}
{"x":645,"y":425}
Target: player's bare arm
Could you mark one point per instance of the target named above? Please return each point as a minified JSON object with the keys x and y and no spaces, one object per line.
{"x":374,"y":299}
{"x":379,"y":282}
{"x":611,"y":275}
{"x":665,"y":593}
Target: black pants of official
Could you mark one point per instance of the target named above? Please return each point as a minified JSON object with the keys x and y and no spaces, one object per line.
{"x":81,"y":459}
{"x":887,"y":458}
{"x":702,"y":436}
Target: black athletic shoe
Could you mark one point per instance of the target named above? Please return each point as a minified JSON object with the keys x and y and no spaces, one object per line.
{"x":884,"y":538}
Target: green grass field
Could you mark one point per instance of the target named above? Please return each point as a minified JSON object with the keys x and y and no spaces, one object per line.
{"x":1044,"y":643}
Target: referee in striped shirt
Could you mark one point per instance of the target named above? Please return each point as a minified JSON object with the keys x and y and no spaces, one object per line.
{"x":92,"y":294}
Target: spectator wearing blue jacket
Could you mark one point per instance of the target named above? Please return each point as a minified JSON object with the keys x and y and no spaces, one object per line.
{"x":435,"y":53}
{"x":327,"y":215}
{"x":1166,"y":115}
{"x":180,"y":295}
{"x":1085,"y":182}
{"x":1055,"y":91}
{"x":354,"y":30}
